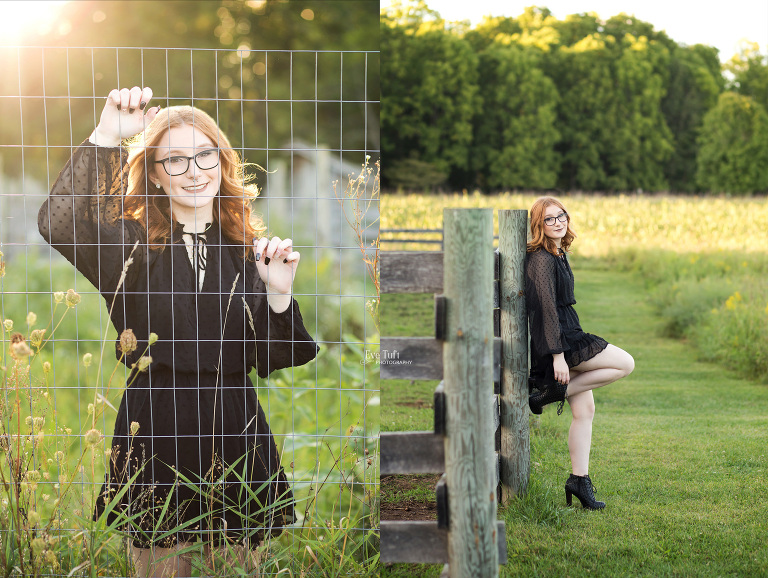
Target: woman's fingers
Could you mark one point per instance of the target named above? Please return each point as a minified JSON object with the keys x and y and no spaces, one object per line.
{"x":146,"y":96}
{"x":292,"y":257}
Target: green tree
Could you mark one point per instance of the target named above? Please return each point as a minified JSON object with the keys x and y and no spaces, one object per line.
{"x":430,"y":92}
{"x":515,"y":132}
{"x":733,"y":146}
{"x":695,"y":81}
{"x":750,"y":73}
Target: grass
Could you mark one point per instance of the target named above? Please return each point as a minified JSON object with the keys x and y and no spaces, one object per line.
{"x":679,"y":454}
{"x":324,"y":415}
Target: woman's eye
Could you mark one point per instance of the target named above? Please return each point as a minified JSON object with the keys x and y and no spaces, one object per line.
{"x":176,"y":160}
{"x":205,"y":154}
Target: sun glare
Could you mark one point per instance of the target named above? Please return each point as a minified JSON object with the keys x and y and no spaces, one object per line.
{"x":22,"y":19}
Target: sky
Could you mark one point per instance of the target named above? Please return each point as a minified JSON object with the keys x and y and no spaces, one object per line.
{"x":720,"y":24}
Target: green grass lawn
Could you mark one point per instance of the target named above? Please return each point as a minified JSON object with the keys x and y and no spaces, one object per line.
{"x":679,"y":455}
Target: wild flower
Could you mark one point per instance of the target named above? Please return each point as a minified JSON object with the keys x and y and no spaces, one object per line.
{"x":31,"y":318}
{"x":144,"y":362}
{"x":152,"y":338}
{"x":58,"y":296}
{"x":46,"y":367}
{"x":19,"y":348}
{"x":33,"y":518}
{"x":87,"y":359}
{"x":134,"y":427}
{"x":8,"y":323}
{"x":128,"y":342}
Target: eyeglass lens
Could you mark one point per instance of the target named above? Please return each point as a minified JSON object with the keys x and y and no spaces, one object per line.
{"x":205,"y":160}
{"x":562,"y":217}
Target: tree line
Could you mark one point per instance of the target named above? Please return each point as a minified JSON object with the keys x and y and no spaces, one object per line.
{"x":534,"y":102}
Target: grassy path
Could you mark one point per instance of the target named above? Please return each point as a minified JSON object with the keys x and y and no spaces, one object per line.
{"x":680,"y":455}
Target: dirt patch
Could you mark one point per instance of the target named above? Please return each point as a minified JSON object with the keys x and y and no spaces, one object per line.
{"x":418,"y":404}
{"x":395,"y":505}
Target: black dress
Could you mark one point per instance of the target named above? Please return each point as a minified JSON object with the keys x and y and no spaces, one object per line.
{"x":553,"y":322}
{"x":195,"y":406}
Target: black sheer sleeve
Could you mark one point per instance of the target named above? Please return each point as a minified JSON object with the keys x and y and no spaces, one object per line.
{"x":281,"y":338}
{"x":541,"y":301}
{"x":82,"y":217}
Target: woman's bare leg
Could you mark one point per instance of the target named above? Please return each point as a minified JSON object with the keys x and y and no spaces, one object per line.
{"x":580,"y":434}
{"x":161,"y":562}
{"x":606,"y":367}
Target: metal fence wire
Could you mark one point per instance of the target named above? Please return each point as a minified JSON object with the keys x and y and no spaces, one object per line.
{"x":157,"y":391}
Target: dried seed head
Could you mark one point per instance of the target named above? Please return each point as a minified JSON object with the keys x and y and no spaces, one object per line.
{"x":8,"y":324}
{"x":152,"y":338}
{"x":46,"y":367}
{"x":71,"y":298}
{"x":58,"y":297}
{"x":92,"y":437}
{"x":128,"y":342}
{"x":31,"y":319}
{"x":38,"y":424}
{"x":87,"y":359}
{"x":134,"y":427}
{"x":36,"y":337}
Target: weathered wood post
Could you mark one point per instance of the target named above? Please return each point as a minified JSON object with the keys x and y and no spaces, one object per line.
{"x":515,"y":441}
{"x":468,"y":376}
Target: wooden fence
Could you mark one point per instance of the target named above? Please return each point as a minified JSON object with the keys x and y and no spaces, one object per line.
{"x":468,"y":283}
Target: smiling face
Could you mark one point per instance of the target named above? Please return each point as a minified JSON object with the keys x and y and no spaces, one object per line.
{"x":557,"y":230}
{"x":195,"y":189}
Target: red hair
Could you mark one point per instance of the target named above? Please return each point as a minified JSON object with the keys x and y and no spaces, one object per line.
{"x":538,"y":238}
{"x":232,"y":206}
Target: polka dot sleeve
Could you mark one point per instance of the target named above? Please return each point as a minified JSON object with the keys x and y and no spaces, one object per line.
{"x":541,"y":301}
{"x":82,"y":217}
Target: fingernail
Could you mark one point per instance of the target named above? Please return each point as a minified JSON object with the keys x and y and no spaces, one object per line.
{"x":130,"y":110}
{"x":258,"y":256}
{"x":285,"y":260}
{"x":117,"y":106}
{"x":142,"y":105}
{"x":266,"y":260}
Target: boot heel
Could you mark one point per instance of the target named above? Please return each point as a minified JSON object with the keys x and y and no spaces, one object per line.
{"x":568,"y":498}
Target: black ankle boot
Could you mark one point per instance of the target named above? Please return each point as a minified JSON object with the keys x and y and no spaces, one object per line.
{"x":550,"y":391}
{"x":581,"y":487}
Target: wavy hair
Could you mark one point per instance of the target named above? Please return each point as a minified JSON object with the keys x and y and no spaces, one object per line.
{"x":232,"y":206}
{"x":538,"y":238}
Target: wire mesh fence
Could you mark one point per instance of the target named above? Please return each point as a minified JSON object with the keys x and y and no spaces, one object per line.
{"x":212,"y":423}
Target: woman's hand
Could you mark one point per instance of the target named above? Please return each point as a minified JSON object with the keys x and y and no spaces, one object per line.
{"x":123,"y":116}
{"x":277,"y":262}
{"x":562,"y":373}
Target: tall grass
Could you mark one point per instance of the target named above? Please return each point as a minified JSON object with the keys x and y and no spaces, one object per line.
{"x":57,"y":409}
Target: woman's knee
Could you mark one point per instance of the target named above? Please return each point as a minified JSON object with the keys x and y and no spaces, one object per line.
{"x":628,"y":364}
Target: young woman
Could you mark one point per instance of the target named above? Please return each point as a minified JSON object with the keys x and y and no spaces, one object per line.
{"x":216,"y":291}
{"x":566,"y":362}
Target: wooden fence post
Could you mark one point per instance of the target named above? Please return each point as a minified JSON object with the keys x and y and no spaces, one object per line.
{"x":515,"y":441}
{"x":468,"y":375}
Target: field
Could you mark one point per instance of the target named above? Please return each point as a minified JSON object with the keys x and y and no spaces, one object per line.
{"x":703,"y":260}
{"x":678,"y":449}
{"x":58,"y":411}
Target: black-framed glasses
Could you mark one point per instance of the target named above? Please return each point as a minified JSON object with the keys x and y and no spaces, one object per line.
{"x":562,"y":217}
{"x":205,"y":160}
